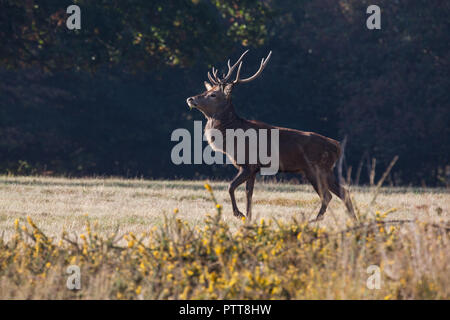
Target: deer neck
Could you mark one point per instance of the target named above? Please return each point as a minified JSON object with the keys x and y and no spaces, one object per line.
{"x":225,"y":120}
{"x":228,"y":119}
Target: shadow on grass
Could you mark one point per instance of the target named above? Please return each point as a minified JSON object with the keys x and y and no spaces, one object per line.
{"x":195,"y":185}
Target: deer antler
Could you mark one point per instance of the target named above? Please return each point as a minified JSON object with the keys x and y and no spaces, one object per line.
{"x":216,"y":80}
{"x":231,"y":68}
{"x":256,"y":75}
{"x":213,"y":79}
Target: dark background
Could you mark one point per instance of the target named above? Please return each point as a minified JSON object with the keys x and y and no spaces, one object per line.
{"x":105,"y":99}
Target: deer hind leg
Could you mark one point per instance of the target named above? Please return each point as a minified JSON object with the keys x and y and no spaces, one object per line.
{"x":343,"y":194}
{"x":249,"y":191}
{"x":243,"y":175}
{"x":320,"y":185}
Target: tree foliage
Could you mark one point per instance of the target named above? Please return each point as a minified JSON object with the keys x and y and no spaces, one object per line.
{"x":105,"y":99}
{"x":135,"y":34}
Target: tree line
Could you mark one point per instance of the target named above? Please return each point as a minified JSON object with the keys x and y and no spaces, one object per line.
{"x":103,"y":100}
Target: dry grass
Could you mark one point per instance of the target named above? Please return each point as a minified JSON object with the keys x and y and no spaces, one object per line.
{"x":137,"y":205}
{"x":189,"y":255}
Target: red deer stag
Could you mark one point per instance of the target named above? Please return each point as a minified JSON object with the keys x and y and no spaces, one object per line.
{"x":308,"y":153}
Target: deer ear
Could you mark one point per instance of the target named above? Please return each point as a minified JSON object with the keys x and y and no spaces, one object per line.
{"x":208,"y":86}
{"x":227,"y":89}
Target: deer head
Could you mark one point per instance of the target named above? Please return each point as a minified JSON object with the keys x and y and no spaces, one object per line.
{"x":217,"y":97}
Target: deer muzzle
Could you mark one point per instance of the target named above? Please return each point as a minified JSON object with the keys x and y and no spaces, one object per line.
{"x":191,"y":102}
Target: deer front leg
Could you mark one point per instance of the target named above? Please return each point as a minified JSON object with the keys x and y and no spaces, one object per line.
{"x":243,"y":175}
{"x":249,"y":191}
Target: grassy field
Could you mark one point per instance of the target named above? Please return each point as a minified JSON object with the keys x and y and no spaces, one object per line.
{"x":138,"y":205}
{"x":277,"y":256}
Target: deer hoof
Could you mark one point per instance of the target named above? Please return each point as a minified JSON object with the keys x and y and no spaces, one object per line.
{"x":239,"y":215}
{"x":316,"y":219}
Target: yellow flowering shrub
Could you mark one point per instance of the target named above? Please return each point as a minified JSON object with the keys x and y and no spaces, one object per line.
{"x":261,"y":260}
